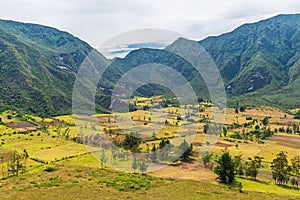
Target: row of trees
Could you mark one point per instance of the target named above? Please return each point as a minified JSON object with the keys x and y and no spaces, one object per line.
{"x":227,"y":167}
{"x":290,"y":129}
{"x":163,"y":152}
{"x":283,"y":173}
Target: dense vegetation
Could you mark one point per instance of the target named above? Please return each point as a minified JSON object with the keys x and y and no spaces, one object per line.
{"x":38,"y":66}
{"x":258,"y":62}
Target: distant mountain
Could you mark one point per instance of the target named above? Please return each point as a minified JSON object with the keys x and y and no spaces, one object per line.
{"x":149,"y":56}
{"x":259,"y":63}
{"x":38,"y":65}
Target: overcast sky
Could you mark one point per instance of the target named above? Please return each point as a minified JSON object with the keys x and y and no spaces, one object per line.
{"x":95,"y":21}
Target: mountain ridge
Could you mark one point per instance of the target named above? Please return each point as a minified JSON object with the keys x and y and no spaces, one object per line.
{"x":259,"y":63}
{"x":38,"y":65}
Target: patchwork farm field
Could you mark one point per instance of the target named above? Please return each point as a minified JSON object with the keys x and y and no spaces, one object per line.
{"x":78,"y":156}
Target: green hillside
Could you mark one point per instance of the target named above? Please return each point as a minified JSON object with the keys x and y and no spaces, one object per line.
{"x":261,"y":60}
{"x":258,"y":61}
{"x":38,"y":65}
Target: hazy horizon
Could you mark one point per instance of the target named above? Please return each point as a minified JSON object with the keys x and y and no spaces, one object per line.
{"x":96,"y":21}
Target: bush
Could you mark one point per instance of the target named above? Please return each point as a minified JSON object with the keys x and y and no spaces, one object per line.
{"x":297,"y":116}
{"x":248,"y":118}
{"x":50,"y":169}
{"x":236,"y":136}
{"x":242,"y":109}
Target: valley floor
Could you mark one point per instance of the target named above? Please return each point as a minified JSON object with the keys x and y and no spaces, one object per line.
{"x":61,"y":166}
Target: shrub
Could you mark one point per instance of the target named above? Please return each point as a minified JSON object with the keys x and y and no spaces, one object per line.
{"x":50,"y":169}
{"x":297,"y":116}
{"x":236,"y":136}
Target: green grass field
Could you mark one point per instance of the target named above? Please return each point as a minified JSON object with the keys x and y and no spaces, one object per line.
{"x":59,"y":168}
{"x":82,"y":178}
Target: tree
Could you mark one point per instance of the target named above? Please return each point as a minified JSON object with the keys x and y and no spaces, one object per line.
{"x":225,"y":167}
{"x":103,"y":158}
{"x":252,"y":166}
{"x":164,"y":149}
{"x":114,"y":153}
{"x":144,"y":167}
{"x":257,"y":134}
{"x":280,"y":168}
{"x":153,"y":154}
{"x":224,"y":131}
{"x":296,"y":169}
{"x":15,"y":163}
{"x":205,"y":128}
{"x":297,"y":115}
{"x":265,"y":121}
{"x":257,"y":127}
{"x":163,"y":143}
{"x":236,"y":109}
{"x":207,"y":158}
{"x":186,"y":149}
{"x":132,"y":142}
{"x":238,"y":165}
{"x":240,"y":186}
{"x":2,"y":166}
{"x":242,"y":109}
{"x":25,"y":156}
{"x":134,"y":164}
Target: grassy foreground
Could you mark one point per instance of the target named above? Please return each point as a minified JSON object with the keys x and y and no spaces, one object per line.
{"x":82,"y":178}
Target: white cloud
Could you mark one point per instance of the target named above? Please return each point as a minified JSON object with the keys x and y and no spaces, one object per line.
{"x":95,"y":21}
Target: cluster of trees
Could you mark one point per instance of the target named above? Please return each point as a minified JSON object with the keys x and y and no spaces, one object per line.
{"x":294,"y":129}
{"x":140,"y":164}
{"x":240,"y":109}
{"x":17,"y":163}
{"x":283,"y":173}
{"x":256,"y":134}
{"x":213,"y":129}
{"x":227,"y":167}
{"x":62,"y":130}
{"x":166,"y":152}
{"x":259,"y":133}
{"x":249,"y":168}
{"x":132,"y":142}
{"x":163,"y":152}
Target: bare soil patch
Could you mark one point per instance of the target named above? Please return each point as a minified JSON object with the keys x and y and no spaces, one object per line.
{"x":220,"y":144}
{"x":292,"y":141}
{"x":6,"y":155}
{"x":24,"y":125}
{"x":190,"y":171}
